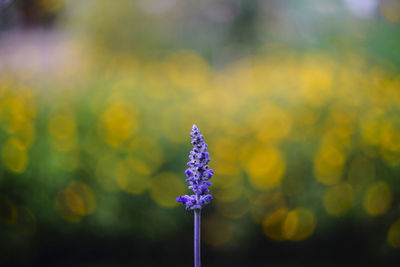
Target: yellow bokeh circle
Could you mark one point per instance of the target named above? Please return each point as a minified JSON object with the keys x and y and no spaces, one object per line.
{"x":377,"y":199}
{"x":361,"y":173}
{"x":328,"y":165}
{"x":118,"y":123}
{"x":131,"y":176}
{"x":62,"y":126}
{"x":15,"y":157}
{"x":338,"y":199}
{"x":265,"y":168}
{"x":394,"y":234}
{"x":272,"y":224}
{"x":298,"y":224}
{"x":75,"y":201}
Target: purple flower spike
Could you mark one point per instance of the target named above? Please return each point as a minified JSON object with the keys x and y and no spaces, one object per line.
{"x":198,"y":173}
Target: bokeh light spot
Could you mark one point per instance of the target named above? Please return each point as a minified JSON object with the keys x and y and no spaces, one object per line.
{"x":338,"y":199}
{"x":377,"y":198}
{"x":63,"y":209}
{"x":394,"y":234}
{"x":298,"y":224}
{"x":290,"y":225}
{"x":15,"y":156}
{"x":118,"y":123}
{"x":390,"y":136}
{"x":328,"y":165}
{"x":225,"y":157}
{"x":26,"y":134}
{"x":272,"y":224}
{"x":371,"y":125}
{"x":361,"y":173}
{"x":80,"y":198}
{"x":75,"y":201}
{"x":147,"y":153}
{"x":265,"y":168}
{"x":390,"y":141}
{"x":316,"y":84}
{"x":62,"y":126}
{"x":132,"y":176}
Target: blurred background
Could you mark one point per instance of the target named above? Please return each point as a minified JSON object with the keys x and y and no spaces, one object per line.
{"x":299,"y":102}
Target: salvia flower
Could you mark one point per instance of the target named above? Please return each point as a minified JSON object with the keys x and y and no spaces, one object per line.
{"x":198,"y":173}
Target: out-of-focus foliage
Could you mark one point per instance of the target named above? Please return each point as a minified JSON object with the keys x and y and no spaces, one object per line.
{"x":95,"y":132}
{"x":291,"y":136}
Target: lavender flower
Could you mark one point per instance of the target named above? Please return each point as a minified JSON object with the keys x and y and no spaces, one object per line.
{"x":198,"y":173}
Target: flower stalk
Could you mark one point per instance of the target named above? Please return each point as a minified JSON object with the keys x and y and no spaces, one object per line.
{"x":197,"y":227}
